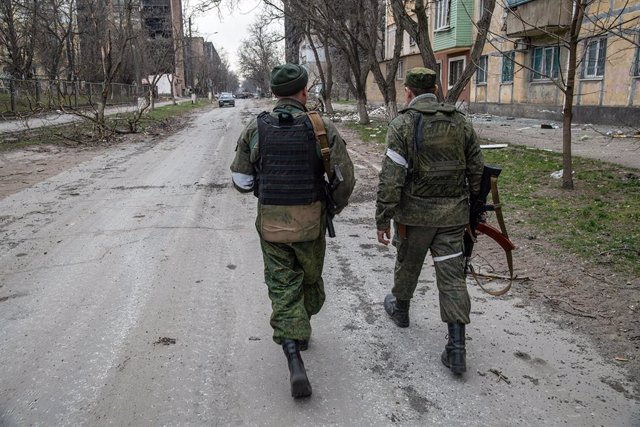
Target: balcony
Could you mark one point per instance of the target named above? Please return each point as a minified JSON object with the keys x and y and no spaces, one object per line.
{"x":531,"y":18}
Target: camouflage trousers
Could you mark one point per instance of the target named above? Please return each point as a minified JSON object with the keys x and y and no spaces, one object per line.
{"x":445,"y":244}
{"x":293,"y":274}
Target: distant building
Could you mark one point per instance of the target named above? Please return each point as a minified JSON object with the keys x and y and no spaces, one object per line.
{"x":163,"y":19}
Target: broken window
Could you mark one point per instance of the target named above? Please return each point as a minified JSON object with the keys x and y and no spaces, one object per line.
{"x":508,"y":59}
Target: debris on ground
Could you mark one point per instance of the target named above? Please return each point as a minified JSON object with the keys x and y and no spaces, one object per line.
{"x":493,"y":146}
{"x":500,"y":375}
{"x":165,"y":341}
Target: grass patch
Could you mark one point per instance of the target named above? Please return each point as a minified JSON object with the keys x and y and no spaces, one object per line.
{"x":597,"y":221}
{"x":81,"y":132}
{"x":376,"y":131}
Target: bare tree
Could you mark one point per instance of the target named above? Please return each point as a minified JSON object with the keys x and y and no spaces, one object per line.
{"x":18,"y":25}
{"x":416,"y":22}
{"x":260,"y":53}
{"x":373,"y":42}
{"x":345,"y":24}
{"x":587,"y":24}
{"x":56,"y":24}
{"x":293,"y":33}
{"x":325,"y":71}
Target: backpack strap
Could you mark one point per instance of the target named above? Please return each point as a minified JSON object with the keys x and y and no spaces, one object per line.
{"x":321,"y":137}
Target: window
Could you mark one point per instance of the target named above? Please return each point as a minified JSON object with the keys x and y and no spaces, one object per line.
{"x":442,"y":14}
{"x":400,"y":71}
{"x":508,"y":66}
{"x":456,"y":65}
{"x":481,"y":70}
{"x":636,"y":64}
{"x":594,"y":57}
{"x":546,"y":62}
{"x":438,"y":70}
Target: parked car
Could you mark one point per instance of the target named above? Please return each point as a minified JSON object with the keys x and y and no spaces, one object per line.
{"x":226,"y":99}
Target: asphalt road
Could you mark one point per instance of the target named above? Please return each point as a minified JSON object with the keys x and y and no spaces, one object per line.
{"x":104,"y":265}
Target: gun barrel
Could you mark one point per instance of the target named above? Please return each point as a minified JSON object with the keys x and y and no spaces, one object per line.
{"x":330,"y":228}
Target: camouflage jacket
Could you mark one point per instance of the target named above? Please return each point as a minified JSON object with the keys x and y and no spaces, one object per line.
{"x":247,"y":153}
{"x":396,"y":202}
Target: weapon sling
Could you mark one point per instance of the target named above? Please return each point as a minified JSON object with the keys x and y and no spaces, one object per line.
{"x":321,"y":137}
{"x":500,"y":236}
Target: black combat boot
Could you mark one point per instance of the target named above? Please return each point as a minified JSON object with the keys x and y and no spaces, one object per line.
{"x":300,"y":386}
{"x":454,"y":355}
{"x":398,"y":310}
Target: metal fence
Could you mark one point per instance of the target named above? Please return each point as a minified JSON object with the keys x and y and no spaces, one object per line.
{"x":41,"y":95}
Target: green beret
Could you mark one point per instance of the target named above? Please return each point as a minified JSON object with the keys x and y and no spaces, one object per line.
{"x":420,"y":78}
{"x":288,"y":79}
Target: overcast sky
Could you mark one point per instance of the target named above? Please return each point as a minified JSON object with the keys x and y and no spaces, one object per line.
{"x":231,"y":27}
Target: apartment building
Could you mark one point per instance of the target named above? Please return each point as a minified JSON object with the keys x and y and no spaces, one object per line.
{"x":523,"y":67}
{"x":451,"y":33}
{"x":524,"y":63}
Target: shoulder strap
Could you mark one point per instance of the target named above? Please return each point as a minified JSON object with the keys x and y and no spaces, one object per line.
{"x":321,"y":137}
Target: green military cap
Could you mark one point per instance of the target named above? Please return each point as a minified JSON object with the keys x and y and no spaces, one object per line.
{"x":288,"y":79}
{"x":420,"y":78}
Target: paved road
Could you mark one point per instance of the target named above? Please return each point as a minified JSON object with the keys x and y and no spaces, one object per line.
{"x":149,"y":241}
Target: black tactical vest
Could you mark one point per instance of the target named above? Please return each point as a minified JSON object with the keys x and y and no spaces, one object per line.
{"x":289,"y":170}
{"x":437,"y":164}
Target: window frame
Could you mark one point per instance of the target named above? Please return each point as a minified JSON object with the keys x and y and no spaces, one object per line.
{"x":508,"y":56}
{"x":600,"y":61}
{"x":636,"y":62}
{"x":455,"y":59}
{"x":400,"y":70}
{"x":442,"y":15}
{"x":545,"y":72}
{"x":485,"y":70}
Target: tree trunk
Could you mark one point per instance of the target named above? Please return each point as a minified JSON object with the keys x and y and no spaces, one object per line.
{"x":362,"y":111}
{"x":292,"y":34}
{"x":567,"y":112}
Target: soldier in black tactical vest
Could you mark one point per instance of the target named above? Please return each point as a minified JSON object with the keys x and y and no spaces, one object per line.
{"x":279,"y":159}
{"x":431,"y":170}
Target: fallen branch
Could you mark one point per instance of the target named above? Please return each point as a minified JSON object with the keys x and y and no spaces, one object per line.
{"x":579,"y":312}
{"x":501,"y":376}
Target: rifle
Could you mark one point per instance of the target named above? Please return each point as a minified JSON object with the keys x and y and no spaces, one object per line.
{"x":332,"y":206}
{"x":478,"y":224}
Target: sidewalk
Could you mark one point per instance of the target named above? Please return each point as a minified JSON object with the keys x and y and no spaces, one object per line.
{"x":17,"y":125}
{"x":607,"y":143}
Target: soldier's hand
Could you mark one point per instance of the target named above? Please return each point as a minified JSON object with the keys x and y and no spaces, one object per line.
{"x":382,"y":234}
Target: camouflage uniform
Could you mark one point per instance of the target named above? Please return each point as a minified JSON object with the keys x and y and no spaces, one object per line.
{"x":293,"y":271}
{"x":433,"y":223}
